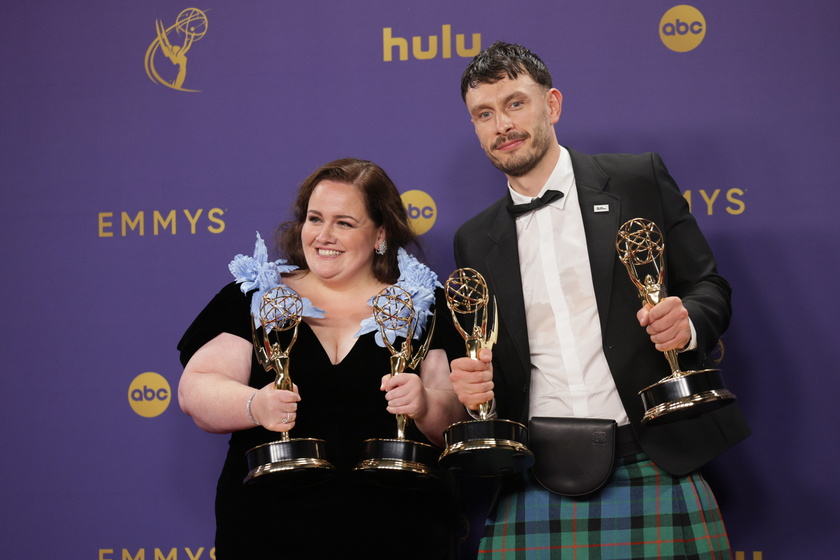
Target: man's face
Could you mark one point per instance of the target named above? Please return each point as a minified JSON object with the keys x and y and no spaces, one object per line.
{"x":513,"y":121}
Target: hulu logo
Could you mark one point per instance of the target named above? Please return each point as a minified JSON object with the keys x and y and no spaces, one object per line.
{"x":432,"y":42}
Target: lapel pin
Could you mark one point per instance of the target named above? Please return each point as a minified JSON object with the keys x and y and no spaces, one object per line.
{"x":601,"y":208}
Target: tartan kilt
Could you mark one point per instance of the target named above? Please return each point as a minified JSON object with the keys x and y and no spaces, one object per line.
{"x":642,"y":513}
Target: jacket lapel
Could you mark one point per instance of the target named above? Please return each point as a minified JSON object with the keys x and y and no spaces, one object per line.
{"x":505,"y":281}
{"x":601,"y":212}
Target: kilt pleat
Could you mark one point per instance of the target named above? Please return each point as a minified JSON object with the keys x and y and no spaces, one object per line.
{"x":643,"y":513}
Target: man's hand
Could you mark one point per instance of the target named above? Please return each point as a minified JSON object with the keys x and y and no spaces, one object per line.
{"x":667,"y":324}
{"x":473,"y":379}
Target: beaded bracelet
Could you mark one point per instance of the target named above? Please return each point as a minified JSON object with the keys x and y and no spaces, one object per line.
{"x":248,"y":406}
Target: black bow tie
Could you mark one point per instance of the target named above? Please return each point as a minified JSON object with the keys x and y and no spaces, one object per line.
{"x":539,"y":202}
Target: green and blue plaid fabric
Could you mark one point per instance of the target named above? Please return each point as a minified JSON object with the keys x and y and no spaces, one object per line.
{"x":643,"y":513}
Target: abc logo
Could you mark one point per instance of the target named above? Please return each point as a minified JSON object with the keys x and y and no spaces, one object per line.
{"x":682,"y":28}
{"x":149,"y":394}
{"x":421,"y":209}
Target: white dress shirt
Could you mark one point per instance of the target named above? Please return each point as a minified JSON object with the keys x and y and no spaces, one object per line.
{"x":569,"y":372}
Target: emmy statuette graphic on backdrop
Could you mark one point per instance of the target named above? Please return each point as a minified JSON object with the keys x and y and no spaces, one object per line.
{"x":683,"y":394}
{"x":191,"y":24}
{"x":487,"y":446}
{"x":287,"y":462}
{"x":399,"y":461}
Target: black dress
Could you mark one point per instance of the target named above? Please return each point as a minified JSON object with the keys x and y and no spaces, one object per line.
{"x":340,"y":403}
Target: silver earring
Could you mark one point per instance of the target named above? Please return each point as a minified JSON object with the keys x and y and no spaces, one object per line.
{"x":382,"y":248}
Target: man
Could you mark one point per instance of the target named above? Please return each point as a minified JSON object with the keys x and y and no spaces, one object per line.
{"x":574,"y":340}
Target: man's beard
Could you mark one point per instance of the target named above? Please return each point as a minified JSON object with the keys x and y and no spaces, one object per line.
{"x":518,"y":166}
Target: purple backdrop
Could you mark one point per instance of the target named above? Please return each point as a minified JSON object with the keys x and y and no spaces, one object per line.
{"x":94,"y":147}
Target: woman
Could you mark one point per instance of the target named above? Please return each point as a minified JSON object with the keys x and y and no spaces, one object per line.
{"x":346,"y":240}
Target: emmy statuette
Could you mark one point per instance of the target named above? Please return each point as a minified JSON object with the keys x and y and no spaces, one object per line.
{"x":487,"y":446}
{"x":287,"y":462}
{"x":399,"y":461}
{"x":683,"y":394}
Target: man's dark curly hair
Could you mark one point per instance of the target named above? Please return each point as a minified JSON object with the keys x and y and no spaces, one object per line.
{"x":501,"y":60}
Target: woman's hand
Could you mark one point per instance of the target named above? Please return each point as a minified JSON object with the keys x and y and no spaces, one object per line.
{"x":275,"y":410}
{"x":405,"y":394}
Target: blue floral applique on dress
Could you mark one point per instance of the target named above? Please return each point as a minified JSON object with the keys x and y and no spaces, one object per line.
{"x":257,"y":273}
{"x":420,"y":282}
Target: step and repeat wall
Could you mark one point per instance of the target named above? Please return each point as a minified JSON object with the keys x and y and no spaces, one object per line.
{"x":144,"y":144}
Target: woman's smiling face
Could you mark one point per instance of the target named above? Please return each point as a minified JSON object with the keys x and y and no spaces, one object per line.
{"x":338,"y":236}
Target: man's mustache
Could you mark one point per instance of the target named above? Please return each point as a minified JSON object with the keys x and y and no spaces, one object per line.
{"x":509,"y":138}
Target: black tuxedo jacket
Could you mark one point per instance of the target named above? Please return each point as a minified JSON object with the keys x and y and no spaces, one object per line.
{"x":630,"y":186}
